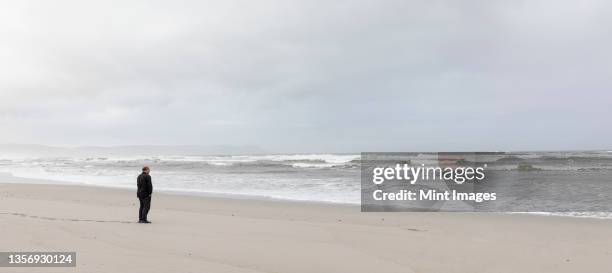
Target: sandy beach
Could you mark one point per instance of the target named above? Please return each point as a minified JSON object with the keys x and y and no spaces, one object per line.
{"x":208,"y":234}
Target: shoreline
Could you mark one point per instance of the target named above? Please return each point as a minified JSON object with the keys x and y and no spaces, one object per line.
{"x":7,"y":178}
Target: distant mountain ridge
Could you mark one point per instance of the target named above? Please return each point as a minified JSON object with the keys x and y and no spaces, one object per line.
{"x":44,"y":150}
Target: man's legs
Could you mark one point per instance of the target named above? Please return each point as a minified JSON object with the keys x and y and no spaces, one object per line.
{"x":146,"y":205}
{"x":140,"y":209}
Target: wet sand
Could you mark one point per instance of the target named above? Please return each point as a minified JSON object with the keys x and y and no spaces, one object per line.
{"x":208,"y":234}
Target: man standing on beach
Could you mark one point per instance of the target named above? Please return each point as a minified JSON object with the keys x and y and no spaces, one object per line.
{"x":145,"y":189}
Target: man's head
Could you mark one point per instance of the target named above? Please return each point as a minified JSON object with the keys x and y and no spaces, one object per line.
{"x":146,"y":169}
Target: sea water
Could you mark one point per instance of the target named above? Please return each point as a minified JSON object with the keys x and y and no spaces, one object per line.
{"x":310,"y":177}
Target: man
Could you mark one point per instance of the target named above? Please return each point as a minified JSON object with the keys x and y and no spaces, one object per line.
{"x":145,"y":189}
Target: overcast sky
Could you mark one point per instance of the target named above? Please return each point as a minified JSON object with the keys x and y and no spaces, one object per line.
{"x":308,"y":76}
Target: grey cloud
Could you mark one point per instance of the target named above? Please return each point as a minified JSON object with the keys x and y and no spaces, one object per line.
{"x":308,"y":76}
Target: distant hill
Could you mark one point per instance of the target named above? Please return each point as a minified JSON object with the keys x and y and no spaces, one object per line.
{"x":43,"y":150}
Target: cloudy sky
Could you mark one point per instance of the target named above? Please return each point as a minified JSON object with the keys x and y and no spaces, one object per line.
{"x":308,"y":76}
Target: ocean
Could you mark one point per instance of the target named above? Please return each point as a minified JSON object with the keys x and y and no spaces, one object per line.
{"x":312,"y":177}
{"x":301,"y":177}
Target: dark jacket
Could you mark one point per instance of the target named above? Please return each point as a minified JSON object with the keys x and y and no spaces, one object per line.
{"x":145,"y":187}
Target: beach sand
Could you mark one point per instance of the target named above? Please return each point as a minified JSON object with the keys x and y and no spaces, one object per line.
{"x":208,"y":234}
